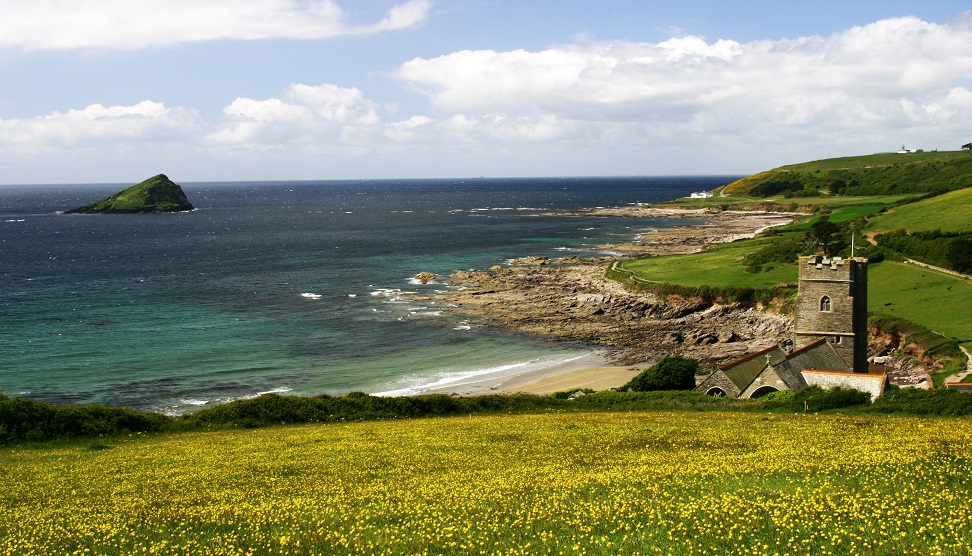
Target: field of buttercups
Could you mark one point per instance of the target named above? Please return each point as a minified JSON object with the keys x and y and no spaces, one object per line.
{"x":663,"y":482}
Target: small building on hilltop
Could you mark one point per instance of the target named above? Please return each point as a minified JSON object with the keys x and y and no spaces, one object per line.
{"x":829,"y":337}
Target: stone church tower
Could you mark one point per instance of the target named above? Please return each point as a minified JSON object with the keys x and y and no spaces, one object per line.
{"x":832,"y":304}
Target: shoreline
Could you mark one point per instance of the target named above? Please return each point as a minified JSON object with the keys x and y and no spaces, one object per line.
{"x":569,"y":300}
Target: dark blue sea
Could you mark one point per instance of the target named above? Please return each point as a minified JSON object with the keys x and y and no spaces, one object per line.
{"x":280,"y":286}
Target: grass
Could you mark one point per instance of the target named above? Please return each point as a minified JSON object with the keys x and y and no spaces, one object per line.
{"x":720,"y":265}
{"x":938,"y":301}
{"x":951,"y":211}
{"x":875,"y":160}
{"x":656,"y":482}
{"x":880,"y":174}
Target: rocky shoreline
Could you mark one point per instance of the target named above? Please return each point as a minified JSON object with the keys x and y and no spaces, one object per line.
{"x":570,"y":300}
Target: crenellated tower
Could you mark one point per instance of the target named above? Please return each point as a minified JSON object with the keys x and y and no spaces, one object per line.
{"x":832,"y":304}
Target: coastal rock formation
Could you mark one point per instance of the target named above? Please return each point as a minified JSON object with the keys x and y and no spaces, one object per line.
{"x":573,"y":302}
{"x":156,"y":194}
{"x":426,"y":277}
{"x":570,"y":300}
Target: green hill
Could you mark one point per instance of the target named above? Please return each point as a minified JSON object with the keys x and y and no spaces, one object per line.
{"x":951,"y":211}
{"x":876,"y":174}
{"x":156,"y":194}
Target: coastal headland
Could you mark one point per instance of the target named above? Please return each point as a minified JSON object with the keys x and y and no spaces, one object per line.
{"x":570,"y":300}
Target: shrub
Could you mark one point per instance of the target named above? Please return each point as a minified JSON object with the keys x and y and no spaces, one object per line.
{"x":671,"y":373}
{"x":26,"y":420}
{"x":816,"y":399}
{"x":914,"y":401}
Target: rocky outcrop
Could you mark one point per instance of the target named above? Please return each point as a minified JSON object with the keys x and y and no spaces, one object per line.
{"x":573,"y":302}
{"x":426,"y":277}
{"x":156,"y":194}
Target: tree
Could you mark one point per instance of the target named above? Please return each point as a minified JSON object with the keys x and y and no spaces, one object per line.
{"x":670,"y":373}
{"x":960,"y":254}
{"x":822,"y":236}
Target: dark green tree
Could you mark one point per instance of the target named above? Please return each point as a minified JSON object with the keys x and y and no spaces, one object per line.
{"x":670,"y":373}
{"x":960,"y":254}
{"x":822,"y":236}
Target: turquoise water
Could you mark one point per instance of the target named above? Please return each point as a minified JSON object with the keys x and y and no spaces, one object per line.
{"x":279,"y":286}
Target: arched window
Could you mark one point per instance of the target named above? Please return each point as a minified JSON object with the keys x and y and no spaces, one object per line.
{"x":825,"y":304}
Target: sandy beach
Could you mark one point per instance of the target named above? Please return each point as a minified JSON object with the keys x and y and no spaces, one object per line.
{"x":589,"y":371}
{"x":595,"y":378}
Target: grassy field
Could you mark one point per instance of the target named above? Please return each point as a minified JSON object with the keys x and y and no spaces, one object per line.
{"x":875,"y":160}
{"x":877,"y":174}
{"x":720,"y":265}
{"x":951,"y":211}
{"x":940,"y":302}
{"x":862,"y":205}
{"x":662,"y":482}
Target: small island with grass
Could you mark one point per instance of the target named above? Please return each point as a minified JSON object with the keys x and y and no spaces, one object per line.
{"x":157,"y":194}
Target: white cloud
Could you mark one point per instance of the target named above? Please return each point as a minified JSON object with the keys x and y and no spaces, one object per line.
{"x":146,"y":121}
{"x":66,"y":24}
{"x":872,"y":79}
{"x":684,"y":105}
{"x":304,"y":114}
{"x":406,"y":130}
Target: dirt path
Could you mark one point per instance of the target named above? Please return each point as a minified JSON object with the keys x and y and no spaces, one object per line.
{"x":957,"y":377}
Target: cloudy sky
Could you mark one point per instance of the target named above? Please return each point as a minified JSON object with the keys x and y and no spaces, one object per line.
{"x":208,"y":90}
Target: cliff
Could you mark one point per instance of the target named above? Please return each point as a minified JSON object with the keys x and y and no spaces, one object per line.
{"x":156,"y":194}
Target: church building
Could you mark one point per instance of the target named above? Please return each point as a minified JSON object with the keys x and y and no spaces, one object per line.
{"x":829,"y":338}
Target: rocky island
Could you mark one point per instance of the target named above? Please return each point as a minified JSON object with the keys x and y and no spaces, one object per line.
{"x":154,"y":195}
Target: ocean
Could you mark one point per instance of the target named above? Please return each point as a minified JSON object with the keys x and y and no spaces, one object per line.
{"x":297,"y":287}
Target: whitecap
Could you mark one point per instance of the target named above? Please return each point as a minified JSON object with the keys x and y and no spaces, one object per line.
{"x":309,"y":295}
{"x":484,"y":377}
{"x":277,"y":390}
{"x":194,"y":402}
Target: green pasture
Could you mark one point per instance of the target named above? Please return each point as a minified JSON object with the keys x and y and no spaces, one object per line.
{"x":940,"y":302}
{"x":720,"y":265}
{"x":844,"y":208}
{"x":949,"y":212}
{"x":874,"y":160}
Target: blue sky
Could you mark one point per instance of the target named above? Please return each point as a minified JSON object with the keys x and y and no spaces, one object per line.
{"x":118,"y":90}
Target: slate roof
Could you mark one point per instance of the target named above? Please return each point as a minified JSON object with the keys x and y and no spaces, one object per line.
{"x":819,"y":355}
{"x":743,"y":371}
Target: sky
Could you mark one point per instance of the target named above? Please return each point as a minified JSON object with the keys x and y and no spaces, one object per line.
{"x":115,"y":91}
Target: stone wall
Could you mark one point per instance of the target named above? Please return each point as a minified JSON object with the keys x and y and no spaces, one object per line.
{"x":766,"y":378}
{"x":873,"y":384}
{"x":718,"y":380}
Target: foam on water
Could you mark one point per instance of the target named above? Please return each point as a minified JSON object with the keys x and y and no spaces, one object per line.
{"x":476,"y":379}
